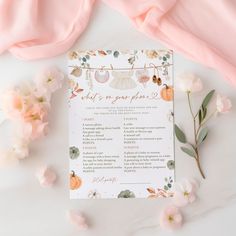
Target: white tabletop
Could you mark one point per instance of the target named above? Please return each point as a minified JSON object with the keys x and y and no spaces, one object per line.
{"x":27,"y":209}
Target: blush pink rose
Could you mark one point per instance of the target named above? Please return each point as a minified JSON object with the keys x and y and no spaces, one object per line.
{"x":76,"y":218}
{"x":35,"y":112}
{"x":46,"y":176}
{"x":33,"y":130}
{"x":223,"y":104}
{"x":171,"y":218}
{"x":12,"y":104}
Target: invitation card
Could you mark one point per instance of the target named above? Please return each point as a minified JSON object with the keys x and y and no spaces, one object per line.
{"x":121,"y":124}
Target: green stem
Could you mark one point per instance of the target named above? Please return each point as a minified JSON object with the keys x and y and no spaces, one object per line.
{"x":199,"y":165}
{"x":189,"y":104}
{"x":197,"y":158}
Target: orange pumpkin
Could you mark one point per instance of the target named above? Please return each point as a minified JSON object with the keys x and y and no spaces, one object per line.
{"x":75,"y":181}
{"x":167,"y":93}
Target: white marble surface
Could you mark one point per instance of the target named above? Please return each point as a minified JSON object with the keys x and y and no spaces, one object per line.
{"x":27,"y":209}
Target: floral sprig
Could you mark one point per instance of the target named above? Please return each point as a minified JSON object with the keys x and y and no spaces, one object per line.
{"x":189,"y":83}
{"x":27,"y":107}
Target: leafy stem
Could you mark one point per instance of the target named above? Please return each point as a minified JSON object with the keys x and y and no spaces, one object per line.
{"x":205,"y":121}
{"x":200,"y":132}
{"x":195,"y":146}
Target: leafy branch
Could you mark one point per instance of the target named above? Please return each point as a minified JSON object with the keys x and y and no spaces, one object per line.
{"x":200,"y":131}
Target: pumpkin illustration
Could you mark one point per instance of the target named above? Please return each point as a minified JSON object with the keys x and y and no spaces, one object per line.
{"x":75,"y":181}
{"x":167,"y":93}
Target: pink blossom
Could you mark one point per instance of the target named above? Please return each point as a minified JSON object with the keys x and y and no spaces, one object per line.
{"x":189,"y":83}
{"x":35,"y":112}
{"x":171,"y":218}
{"x":12,"y":104}
{"x":49,"y":80}
{"x":184,"y":193}
{"x":32,"y":130}
{"x":223,"y":104}
{"x":76,"y":218}
{"x":46,"y":176}
{"x":40,"y":97}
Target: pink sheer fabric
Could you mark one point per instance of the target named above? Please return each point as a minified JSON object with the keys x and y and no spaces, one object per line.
{"x":203,"y":30}
{"x":34,"y":29}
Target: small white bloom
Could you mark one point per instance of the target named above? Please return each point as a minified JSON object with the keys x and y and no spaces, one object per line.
{"x":184,"y":193}
{"x":8,"y":158}
{"x":46,"y":176}
{"x":189,"y":83}
{"x":49,"y":80}
{"x":21,"y":148}
{"x":223,"y":104}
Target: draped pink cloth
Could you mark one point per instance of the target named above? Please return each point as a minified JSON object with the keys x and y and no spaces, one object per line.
{"x":203,"y":30}
{"x":34,"y":29}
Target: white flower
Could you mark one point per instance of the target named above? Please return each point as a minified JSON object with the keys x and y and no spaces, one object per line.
{"x":223,"y":104}
{"x":184,"y":193}
{"x":21,"y":148}
{"x":189,"y":83}
{"x":76,"y":218}
{"x":8,"y":158}
{"x":49,"y":80}
{"x":46,"y":176}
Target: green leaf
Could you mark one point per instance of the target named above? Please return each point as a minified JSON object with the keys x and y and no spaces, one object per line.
{"x":204,"y":109}
{"x":200,"y":117}
{"x":202,"y":135}
{"x":189,"y":151}
{"x":207,"y":98}
{"x":180,"y":134}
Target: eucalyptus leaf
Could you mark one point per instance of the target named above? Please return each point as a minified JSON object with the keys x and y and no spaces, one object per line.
{"x":200,"y":116}
{"x":180,"y":134}
{"x":207,"y":98}
{"x":189,"y":151}
{"x":204,"y":113}
{"x":202,"y":135}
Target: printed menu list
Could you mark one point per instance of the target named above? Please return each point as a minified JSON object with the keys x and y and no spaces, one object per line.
{"x":121,"y":124}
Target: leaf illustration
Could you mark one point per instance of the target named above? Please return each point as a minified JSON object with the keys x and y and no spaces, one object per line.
{"x":180,"y":134}
{"x":153,"y":196}
{"x":131,"y":60}
{"x":79,"y":90}
{"x":116,"y":54}
{"x":207,"y":98}
{"x":102,"y":53}
{"x":151,"y":190}
{"x":189,"y":151}
{"x":91,"y":53}
{"x":77,"y":72}
{"x":202,"y":135}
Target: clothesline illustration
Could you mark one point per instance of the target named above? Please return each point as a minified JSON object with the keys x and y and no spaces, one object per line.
{"x":150,"y":66}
